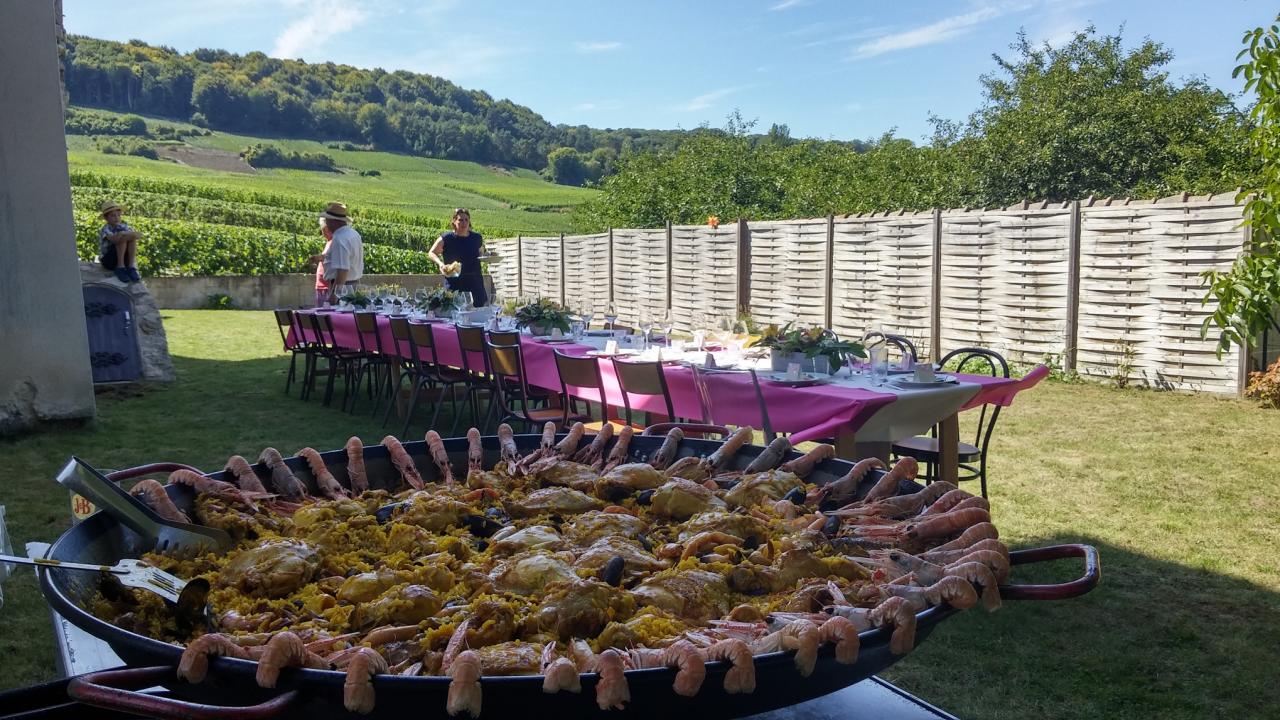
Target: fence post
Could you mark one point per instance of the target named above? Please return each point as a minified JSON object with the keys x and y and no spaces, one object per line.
{"x":670,"y":258}
{"x":611,"y":300}
{"x":1073,"y":288}
{"x":744,"y":268}
{"x":935,"y":291}
{"x":828,"y":315}
{"x":519,"y":266}
{"x":1244,"y":349}
{"x":563,"y":299}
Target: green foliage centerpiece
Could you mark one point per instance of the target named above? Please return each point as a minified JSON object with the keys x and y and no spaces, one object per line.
{"x":542,"y":314}
{"x":441,"y":301}
{"x":357,"y":298}
{"x":790,"y":344}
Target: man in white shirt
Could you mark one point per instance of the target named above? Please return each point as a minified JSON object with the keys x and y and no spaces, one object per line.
{"x":344,"y":261}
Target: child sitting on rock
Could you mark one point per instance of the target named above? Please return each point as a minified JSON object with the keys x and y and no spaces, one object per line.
{"x":118,"y":244}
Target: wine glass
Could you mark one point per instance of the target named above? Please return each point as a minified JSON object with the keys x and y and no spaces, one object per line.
{"x":611,"y":315}
{"x":645,"y":321}
{"x":588,"y":314}
{"x":667,"y":320}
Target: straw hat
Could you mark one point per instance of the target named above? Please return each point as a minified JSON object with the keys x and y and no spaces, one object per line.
{"x":335,"y":211}
{"x":108,"y":206}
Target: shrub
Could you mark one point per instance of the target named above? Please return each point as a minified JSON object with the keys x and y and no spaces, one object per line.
{"x":219,"y":301}
{"x":263,"y":155}
{"x":126,"y":146}
{"x":1265,"y":386}
{"x":370,"y":173}
{"x":199,"y":120}
{"x":88,"y":122}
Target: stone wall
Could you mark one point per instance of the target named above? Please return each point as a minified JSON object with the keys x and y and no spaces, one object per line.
{"x":44,"y":373}
{"x":264,"y":292}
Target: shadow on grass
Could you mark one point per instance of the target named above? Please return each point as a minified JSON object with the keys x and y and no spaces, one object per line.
{"x":1154,"y":639}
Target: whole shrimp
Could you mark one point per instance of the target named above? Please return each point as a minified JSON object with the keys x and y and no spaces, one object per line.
{"x":440,"y":456}
{"x":355,"y":466}
{"x":951,"y":500}
{"x":691,"y":669}
{"x":887,"y":486}
{"x":618,"y":454}
{"x":563,"y":450}
{"x":593,"y":452}
{"x":843,"y":634}
{"x":973,"y":534}
{"x":545,"y":448}
{"x":194,"y":664}
{"x":357,"y":689}
{"x":741,"y":677}
{"x":946,"y":557}
{"x":224,"y":491}
{"x":400,"y":458}
{"x":979,"y":574}
{"x":898,"y":506}
{"x":152,"y":494}
{"x":507,"y":445}
{"x":464,"y":686}
{"x":955,"y":591}
{"x":843,"y":489}
{"x":286,"y":484}
{"x":559,"y":673}
{"x":804,"y":465}
{"x":611,"y":687}
{"x":899,"y":613}
{"x":328,"y":484}
{"x":475,"y":460}
{"x":284,"y":650}
{"x":667,"y":452}
{"x":245,"y":477}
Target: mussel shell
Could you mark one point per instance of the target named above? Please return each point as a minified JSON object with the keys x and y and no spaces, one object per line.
{"x":796,"y":496}
{"x":645,"y":497}
{"x":611,"y":573}
{"x":482,"y":525}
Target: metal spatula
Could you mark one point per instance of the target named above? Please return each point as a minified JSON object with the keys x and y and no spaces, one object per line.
{"x":172,"y":538}
{"x":132,"y":573}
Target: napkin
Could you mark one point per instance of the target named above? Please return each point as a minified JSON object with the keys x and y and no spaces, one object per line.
{"x":556,"y":334}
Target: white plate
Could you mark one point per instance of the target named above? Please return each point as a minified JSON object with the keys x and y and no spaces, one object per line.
{"x":622,"y":352}
{"x":549,"y":339}
{"x":806,"y":379}
{"x":911,"y":383}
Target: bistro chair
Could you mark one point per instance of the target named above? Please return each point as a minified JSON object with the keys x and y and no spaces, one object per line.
{"x":337,"y":360}
{"x":513,"y":399}
{"x":903,"y":345}
{"x":582,"y":373}
{"x":972,"y":458}
{"x":427,"y":376}
{"x":722,"y":382}
{"x":375,"y":363}
{"x":504,"y":337}
{"x":475,"y":366}
{"x":646,"y":379}
{"x":294,"y":341}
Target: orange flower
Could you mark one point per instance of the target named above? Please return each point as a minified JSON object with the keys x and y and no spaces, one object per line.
{"x":713,"y":221}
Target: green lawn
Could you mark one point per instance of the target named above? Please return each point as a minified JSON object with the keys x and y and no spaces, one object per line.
{"x":1178,"y":493}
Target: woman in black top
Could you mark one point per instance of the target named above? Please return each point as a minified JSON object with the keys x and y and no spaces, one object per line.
{"x":465,"y":248}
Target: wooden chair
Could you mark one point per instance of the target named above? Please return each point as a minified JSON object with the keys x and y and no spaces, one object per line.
{"x":288,"y":325}
{"x":584,"y":373}
{"x":642,"y":378}
{"x":711,"y":382}
{"x":375,"y":364}
{"x":504,"y":337}
{"x":475,"y":364}
{"x":427,"y":374}
{"x":513,"y":400}
{"x":337,"y":359}
{"x":972,"y":457}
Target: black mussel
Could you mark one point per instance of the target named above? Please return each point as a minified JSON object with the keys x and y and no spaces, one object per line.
{"x":498,"y":514}
{"x":751,"y":543}
{"x":645,"y":543}
{"x":796,"y":496}
{"x":611,"y":573}
{"x":386,"y":512}
{"x":828,"y":505}
{"x":832,"y":526}
{"x":482,"y":525}
{"x":645,"y":497}
{"x":479,"y":544}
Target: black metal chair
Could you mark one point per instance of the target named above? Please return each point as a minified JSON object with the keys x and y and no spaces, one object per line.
{"x":512,"y":397}
{"x":374,"y":364}
{"x":337,"y":359}
{"x":583,"y":373}
{"x":645,"y":379}
{"x":295,"y":343}
{"x":427,"y":376}
{"x":711,"y":382}
{"x":972,"y":457}
{"x":904,"y":346}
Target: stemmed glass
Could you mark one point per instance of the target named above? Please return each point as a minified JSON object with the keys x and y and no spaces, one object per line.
{"x":588,"y":314}
{"x":646,"y":325}
{"x":611,"y":315}
{"x":668,"y":322}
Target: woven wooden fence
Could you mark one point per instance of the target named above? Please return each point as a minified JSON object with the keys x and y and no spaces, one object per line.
{"x":1105,"y":287}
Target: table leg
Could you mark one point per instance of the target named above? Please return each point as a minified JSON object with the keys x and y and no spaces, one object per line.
{"x":948,"y":449}
{"x":849,"y":448}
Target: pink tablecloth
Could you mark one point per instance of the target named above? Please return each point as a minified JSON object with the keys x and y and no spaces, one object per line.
{"x":807,"y":413}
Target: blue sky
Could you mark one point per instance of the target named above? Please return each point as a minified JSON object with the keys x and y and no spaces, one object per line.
{"x":842,"y":69}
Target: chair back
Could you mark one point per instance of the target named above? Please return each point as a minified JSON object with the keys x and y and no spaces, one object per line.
{"x":903,"y":345}
{"x":284,"y":319}
{"x":722,"y":383}
{"x":641,"y":378}
{"x":979,"y":361}
{"x":504,"y":337}
{"x":472,"y":342}
{"x":422,"y":342}
{"x":507,"y":365}
{"x":367,"y":331}
{"x":402,"y":346}
{"x":321,"y":327}
{"x":583,"y":373}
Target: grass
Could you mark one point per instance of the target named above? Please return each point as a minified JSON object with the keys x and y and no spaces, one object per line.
{"x":515,"y":200}
{"x":1176,"y":491}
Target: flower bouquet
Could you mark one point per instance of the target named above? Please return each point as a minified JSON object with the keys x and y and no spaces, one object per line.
{"x":542,"y":314}
{"x":788,"y":345}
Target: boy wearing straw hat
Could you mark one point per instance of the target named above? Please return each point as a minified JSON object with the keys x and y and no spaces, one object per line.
{"x":118,"y":244}
{"x":344,"y":258}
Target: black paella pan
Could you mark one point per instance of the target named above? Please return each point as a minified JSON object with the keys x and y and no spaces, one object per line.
{"x":318,"y":693}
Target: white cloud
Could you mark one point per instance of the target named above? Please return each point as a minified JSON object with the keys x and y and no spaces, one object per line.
{"x":585,"y":106}
{"x":463,"y":59}
{"x":319,"y":22}
{"x":787,"y":4}
{"x":597,"y":46}
{"x":706,"y":100}
{"x":931,"y":34}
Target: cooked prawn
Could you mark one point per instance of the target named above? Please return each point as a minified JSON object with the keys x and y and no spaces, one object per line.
{"x":704,"y":540}
{"x":400,"y":458}
{"x":355,"y":466}
{"x":804,"y":637}
{"x":946,"y":557}
{"x":896,"y":611}
{"x":224,"y":491}
{"x":329,"y":486}
{"x":998,"y":563}
{"x":507,"y":444}
{"x":805,"y":464}
{"x":612,"y":691}
{"x":245,"y":477}
{"x":741,"y":678}
{"x":947,"y":501}
{"x":558,"y":673}
{"x":475,"y":459}
{"x":956,"y":592}
{"x":841,"y":631}
{"x":667,"y":452}
{"x":974,"y":534}
{"x":464,"y":687}
{"x":152,"y":494}
{"x":357,"y":689}
{"x":979,"y":574}
{"x":194,"y":664}
{"x":439,"y":456}
{"x":887,"y":486}
{"x":844,"y":488}
{"x":284,"y":650}
{"x":618,"y":454}
{"x":682,"y":655}
{"x":898,"y":506}
{"x":592,"y":453}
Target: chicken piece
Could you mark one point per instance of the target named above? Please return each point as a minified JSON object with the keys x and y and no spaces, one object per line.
{"x":365,"y":587}
{"x":543,"y":537}
{"x":511,"y":658}
{"x":399,"y":605}
{"x":636,"y":560}
{"x":588,"y":527}
{"x":748,"y":527}
{"x":411,"y":539}
{"x":698,"y":595}
{"x":273,"y":569}
{"x":492,"y":622}
{"x":529,"y":573}
{"x":559,"y":500}
{"x":433,"y":511}
{"x":771,"y":485}
{"x":682,"y":499}
{"x":752,"y":579}
{"x":627,"y":479}
{"x":582,"y":608}
{"x":567,"y":473}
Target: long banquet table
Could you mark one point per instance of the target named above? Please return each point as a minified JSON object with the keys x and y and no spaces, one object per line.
{"x":863,"y":418}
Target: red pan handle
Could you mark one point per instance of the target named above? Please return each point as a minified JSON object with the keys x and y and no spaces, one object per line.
{"x":116,"y":690}
{"x":1061,"y":591}
{"x":130,"y":473}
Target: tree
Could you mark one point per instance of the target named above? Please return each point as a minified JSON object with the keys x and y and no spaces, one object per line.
{"x":565,"y":167}
{"x":371,"y":121}
{"x":1248,"y":295}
